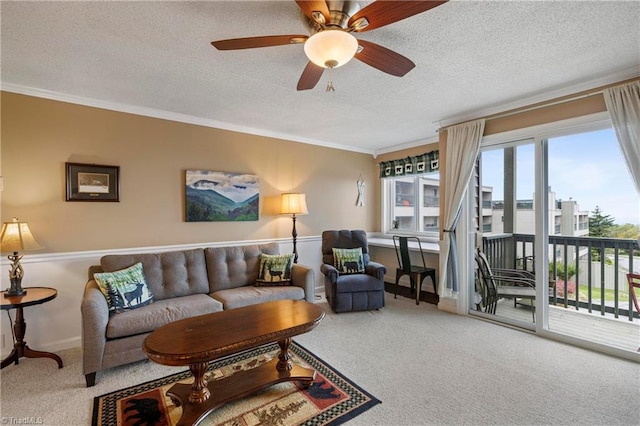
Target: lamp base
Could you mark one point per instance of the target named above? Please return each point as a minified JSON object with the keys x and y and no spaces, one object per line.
{"x":13,"y":293}
{"x":16,"y":286}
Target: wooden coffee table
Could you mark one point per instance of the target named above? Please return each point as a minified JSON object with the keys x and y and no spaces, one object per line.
{"x":199,"y":340}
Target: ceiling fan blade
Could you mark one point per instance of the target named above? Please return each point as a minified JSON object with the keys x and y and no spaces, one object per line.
{"x":381,"y":13}
{"x":263,"y":41}
{"x":310,"y":76}
{"x":384,"y":59}
{"x":308,"y":7}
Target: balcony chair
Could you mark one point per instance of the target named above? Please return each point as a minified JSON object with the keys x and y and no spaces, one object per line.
{"x":634,"y":282}
{"x":416,"y":273}
{"x":499,"y":284}
{"x":351,"y":289}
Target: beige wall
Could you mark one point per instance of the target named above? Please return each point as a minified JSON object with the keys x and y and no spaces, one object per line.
{"x":39,"y":136}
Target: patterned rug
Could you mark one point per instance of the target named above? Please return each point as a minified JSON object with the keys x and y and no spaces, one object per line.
{"x":332,"y":399}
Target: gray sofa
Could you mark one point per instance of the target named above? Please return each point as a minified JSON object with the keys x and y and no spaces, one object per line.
{"x":184,"y":283}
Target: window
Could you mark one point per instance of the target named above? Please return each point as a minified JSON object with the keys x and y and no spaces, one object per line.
{"x":412,"y":204}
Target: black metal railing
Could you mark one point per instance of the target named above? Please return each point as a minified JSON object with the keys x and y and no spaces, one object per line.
{"x":580,"y":269}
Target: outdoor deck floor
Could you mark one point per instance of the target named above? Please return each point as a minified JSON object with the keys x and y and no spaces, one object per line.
{"x":607,"y":330}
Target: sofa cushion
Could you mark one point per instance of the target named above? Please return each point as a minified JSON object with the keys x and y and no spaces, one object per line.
{"x":150,"y":317}
{"x":275,"y":269}
{"x":235,"y":266}
{"x":169,"y":274}
{"x":348,"y":261}
{"x":250,"y":295}
{"x":124,"y":289}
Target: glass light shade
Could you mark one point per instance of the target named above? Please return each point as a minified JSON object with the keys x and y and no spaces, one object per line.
{"x":294,"y":203}
{"x":16,"y":236}
{"x":331,"y":48}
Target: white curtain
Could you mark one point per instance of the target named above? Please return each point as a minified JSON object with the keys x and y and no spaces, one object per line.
{"x":623,"y":104}
{"x":463,"y":145}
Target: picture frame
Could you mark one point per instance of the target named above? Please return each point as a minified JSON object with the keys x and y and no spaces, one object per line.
{"x":92,"y":182}
{"x":212,"y":196}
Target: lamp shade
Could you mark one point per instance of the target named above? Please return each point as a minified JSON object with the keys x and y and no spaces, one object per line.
{"x":294,"y":203}
{"x":16,"y":236}
{"x":331,"y":48}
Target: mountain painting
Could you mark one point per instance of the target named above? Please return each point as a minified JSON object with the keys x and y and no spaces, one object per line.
{"x":219,"y":196}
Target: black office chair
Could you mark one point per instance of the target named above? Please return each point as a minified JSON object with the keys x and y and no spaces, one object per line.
{"x":416,"y":273}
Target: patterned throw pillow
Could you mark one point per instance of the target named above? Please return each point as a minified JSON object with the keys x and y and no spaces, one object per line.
{"x":348,"y":261}
{"x":125,"y":289}
{"x":275,"y":269}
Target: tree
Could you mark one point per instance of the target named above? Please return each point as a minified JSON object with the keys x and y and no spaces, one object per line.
{"x":600,"y":224}
{"x":627,"y":231}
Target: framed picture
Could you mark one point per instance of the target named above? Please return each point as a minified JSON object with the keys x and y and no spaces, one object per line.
{"x":92,"y":182}
{"x":220,"y":196}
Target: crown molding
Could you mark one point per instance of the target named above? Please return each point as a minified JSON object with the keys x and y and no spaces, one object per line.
{"x":621,"y":75}
{"x":171,"y":116}
{"x":403,"y":146}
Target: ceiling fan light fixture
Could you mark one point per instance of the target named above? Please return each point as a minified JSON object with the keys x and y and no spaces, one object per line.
{"x":331,"y":48}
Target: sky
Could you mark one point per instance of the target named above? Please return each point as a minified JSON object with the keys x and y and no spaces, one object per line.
{"x":587,"y":167}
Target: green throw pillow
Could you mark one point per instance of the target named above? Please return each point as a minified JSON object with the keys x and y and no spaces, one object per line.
{"x":348,"y":261}
{"x":125,"y":289}
{"x":275,"y":269}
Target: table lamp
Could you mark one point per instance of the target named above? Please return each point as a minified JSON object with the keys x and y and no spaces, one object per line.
{"x":294,"y":204}
{"x":16,"y":237}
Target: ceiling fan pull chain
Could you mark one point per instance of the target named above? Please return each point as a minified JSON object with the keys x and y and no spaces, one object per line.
{"x":330,"y":87}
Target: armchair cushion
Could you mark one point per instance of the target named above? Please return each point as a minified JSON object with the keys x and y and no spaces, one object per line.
{"x":348,"y":261}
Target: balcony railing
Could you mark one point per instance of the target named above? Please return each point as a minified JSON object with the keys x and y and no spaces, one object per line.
{"x":600,"y":265}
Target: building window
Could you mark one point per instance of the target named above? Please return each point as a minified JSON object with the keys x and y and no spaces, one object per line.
{"x":412,"y":204}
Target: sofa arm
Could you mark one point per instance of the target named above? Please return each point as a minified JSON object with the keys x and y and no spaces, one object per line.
{"x":330,"y":272}
{"x":95,"y":316}
{"x":304,"y":277}
{"x":376,"y":269}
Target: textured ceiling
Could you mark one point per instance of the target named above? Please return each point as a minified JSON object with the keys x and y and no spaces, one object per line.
{"x":471,"y":58}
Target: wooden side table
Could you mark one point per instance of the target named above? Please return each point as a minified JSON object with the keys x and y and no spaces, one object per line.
{"x":34,"y":296}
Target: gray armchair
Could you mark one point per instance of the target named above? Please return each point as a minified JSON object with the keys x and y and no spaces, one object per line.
{"x":354,"y":291}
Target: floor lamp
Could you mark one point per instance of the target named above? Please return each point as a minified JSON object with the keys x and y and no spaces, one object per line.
{"x":294,"y":204}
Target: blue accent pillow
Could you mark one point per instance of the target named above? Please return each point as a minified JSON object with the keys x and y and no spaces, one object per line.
{"x":125,"y":289}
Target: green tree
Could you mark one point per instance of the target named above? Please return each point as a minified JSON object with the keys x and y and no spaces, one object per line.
{"x":627,"y":231}
{"x":600,"y":224}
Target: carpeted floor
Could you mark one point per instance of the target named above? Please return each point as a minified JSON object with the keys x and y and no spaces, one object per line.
{"x":427,"y":366}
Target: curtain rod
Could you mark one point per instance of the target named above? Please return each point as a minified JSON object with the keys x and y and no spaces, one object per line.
{"x":525,"y":109}
{"x":545,"y":105}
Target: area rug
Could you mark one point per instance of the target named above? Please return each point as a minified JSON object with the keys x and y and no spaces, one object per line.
{"x":332,"y":399}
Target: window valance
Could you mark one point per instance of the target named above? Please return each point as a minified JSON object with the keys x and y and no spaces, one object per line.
{"x":425,"y":163}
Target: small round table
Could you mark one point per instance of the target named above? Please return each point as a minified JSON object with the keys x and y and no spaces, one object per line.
{"x":33,"y":296}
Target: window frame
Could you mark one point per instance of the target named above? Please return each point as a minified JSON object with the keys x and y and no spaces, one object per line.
{"x":388,"y":204}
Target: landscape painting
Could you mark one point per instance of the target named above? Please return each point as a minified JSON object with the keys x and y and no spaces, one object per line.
{"x":220,"y":196}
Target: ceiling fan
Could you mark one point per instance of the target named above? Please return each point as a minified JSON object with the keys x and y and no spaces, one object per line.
{"x":331,"y":43}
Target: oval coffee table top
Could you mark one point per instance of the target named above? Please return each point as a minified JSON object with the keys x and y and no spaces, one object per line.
{"x":207,"y":337}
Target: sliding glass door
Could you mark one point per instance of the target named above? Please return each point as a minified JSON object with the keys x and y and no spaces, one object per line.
{"x":558,"y":211}
{"x":506,"y":207}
